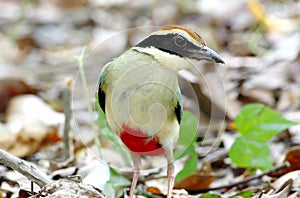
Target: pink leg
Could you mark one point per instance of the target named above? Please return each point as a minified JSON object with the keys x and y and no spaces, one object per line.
{"x":136,"y":164}
{"x":170,"y":172}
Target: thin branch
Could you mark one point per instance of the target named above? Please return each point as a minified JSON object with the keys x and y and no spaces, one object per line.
{"x":248,"y":179}
{"x":25,"y":168}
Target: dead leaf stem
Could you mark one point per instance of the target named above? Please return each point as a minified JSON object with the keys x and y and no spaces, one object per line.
{"x":68,"y":113}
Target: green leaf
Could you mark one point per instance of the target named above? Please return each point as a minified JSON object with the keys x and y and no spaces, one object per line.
{"x":257,"y":122}
{"x":190,"y":166}
{"x":180,"y":153}
{"x":101,"y":115}
{"x":209,"y":195}
{"x":115,"y":185}
{"x":248,"y":153}
{"x":245,"y":194}
{"x":188,"y":129}
{"x":187,"y":135}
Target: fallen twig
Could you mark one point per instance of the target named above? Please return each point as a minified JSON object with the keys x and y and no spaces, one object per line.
{"x":246,"y":180}
{"x":25,"y":168}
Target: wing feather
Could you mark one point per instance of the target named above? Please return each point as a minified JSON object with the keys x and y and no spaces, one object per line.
{"x":101,"y":93}
{"x":178,"y":108}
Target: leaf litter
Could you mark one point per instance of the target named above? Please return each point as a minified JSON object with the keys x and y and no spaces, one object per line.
{"x":259,"y":41}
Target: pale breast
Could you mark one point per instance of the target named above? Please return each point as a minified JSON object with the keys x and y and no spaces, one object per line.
{"x":142,"y":96}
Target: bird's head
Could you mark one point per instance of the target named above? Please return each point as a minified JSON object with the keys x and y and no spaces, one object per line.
{"x":175,"y":46}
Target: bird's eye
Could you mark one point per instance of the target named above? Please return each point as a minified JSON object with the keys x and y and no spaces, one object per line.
{"x":180,"y":41}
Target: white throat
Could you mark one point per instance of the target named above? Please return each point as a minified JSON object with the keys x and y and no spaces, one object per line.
{"x":170,"y":60}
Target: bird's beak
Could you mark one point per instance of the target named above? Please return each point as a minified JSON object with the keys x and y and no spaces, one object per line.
{"x":205,"y":53}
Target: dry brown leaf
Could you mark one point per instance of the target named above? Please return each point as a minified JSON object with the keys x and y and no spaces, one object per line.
{"x":27,"y":110}
{"x":293,"y":157}
{"x":31,"y":123}
{"x":198,"y":181}
{"x":154,"y":190}
{"x":29,"y":140}
{"x":13,"y":87}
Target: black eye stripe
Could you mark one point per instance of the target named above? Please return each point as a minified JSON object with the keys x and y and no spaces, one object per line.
{"x":180,"y":41}
{"x":168,"y":51}
{"x":170,"y":43}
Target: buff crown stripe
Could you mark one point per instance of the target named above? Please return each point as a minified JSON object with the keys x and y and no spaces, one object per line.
{"x":194,"y":35}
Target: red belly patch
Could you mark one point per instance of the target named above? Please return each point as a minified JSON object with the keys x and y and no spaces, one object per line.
{"x":139,"y":142}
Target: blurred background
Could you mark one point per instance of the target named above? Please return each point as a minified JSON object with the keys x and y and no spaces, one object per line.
{"x":258,"y":39}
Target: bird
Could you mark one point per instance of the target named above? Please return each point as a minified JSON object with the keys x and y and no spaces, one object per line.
{"x":139,"y":93}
